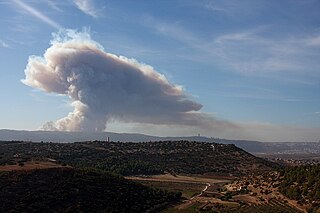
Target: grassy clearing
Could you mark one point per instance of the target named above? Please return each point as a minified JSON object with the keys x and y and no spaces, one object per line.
{"x":30,"y":165}
{"x":188,"y":190}
{"x":178,"y":178}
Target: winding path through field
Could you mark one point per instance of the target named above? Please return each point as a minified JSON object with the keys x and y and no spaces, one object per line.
{"x":182,"y":179}
{"x":203,"y":191}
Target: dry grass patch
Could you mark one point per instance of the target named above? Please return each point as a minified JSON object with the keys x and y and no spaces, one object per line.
{"x":30,"y":165}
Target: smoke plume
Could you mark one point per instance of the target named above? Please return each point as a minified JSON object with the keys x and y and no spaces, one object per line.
{"x":103,"y":86}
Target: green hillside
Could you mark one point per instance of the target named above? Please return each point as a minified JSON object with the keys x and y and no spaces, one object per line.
{"x":302,"y":183}
{"x":73,"y":190}
{"x":143,"y":158}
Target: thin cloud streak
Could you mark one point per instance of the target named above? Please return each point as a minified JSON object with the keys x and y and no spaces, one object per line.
{"x":87,"y":7}
{"x":249,"y":52}
{"x":53,"y":5}
{"x":4,"y":44}
{"x":34,"y":12}
{"x":313,"y":41}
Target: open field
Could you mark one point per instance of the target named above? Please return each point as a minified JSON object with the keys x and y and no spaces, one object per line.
{"x":30,"y":165}
{"x":189,"y":186}
{"x":179,"y":178}
{"x":188,"y":190}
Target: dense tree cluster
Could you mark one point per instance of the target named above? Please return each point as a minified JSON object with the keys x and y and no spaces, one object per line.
{"x":302,"y":183}
{"x":73,"y":190}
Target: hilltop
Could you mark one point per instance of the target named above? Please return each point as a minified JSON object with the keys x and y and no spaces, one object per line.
{"x":145,"y":158}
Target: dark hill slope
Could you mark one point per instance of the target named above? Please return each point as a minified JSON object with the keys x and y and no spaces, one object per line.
{"x":70,"y":190}
{"x":145,"y":158}
{"x":186,"y":157}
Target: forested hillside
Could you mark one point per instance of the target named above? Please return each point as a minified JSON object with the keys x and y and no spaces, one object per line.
{"x":302,"y":183}
{"x":142,"y":158}
{"x":73,"y":190}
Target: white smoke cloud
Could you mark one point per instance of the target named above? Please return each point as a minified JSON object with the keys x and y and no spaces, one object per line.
{"x":103,"y":86}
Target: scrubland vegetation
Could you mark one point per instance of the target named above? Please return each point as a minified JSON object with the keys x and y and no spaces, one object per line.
{"x":302,"y":183}
{"x":88,"y":177}
{"x":142,"y":158}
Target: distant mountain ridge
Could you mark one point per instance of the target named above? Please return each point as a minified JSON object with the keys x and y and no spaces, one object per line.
{"x":57,"y":136}
{"x":250,"y":146}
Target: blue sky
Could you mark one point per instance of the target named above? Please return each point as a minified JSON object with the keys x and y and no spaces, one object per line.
{"x":254,"y":63}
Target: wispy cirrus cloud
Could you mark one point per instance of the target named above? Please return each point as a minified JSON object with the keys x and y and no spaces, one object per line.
{"x":251,"y":52}
{"x":37,"y":14}
{"x":4,"y":44}
{"x":313,"y":41}
{"x":232,"y":8}
{"x":88,"y":7}
{"x":53,"y":5}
